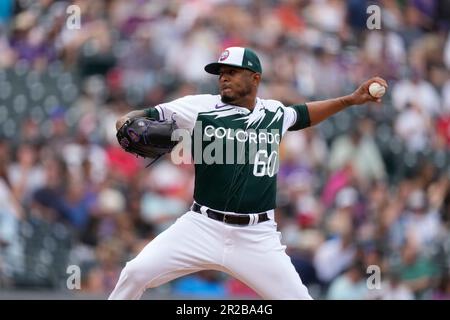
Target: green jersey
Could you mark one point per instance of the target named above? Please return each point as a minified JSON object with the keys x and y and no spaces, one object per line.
{"x":235,"y":150}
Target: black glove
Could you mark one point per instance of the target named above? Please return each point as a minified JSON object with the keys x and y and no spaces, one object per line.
{"x":146,"y":137}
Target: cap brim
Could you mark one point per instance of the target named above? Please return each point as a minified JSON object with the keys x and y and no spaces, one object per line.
{"x":214,"y":68}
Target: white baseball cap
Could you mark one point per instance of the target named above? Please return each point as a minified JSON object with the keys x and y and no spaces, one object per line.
{"x":237,"y":57}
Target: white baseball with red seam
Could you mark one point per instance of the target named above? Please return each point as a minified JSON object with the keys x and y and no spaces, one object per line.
{"x":376,"y":90}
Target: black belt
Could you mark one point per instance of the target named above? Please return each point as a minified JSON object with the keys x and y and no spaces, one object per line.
{"x":239,"y":219}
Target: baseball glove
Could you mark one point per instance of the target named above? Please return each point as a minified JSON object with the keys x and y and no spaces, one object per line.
{"x":147,"y":137}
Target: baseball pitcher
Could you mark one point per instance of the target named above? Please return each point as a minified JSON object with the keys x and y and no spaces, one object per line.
{"x":230,"y":226}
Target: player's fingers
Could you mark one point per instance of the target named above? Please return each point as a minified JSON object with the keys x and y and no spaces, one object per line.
{"x":372,"y":99}
{"x":376,"y":100}
{"x":121,"y":122}
{"x":381,"y":81}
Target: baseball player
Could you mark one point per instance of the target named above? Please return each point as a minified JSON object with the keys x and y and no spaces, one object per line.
{"x":230,"y":226}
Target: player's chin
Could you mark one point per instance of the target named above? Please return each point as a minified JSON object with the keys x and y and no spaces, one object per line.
{"x":227,"y":98}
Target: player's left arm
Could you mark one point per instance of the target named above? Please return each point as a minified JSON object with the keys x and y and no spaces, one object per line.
{"x":321,"y":110}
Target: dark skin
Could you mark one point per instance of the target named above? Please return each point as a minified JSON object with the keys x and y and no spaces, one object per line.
{"x":238,"y":86}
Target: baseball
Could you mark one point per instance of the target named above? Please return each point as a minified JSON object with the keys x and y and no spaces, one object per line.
{"x":376,"y":90}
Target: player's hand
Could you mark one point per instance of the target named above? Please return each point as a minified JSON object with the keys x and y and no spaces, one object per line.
{"x":120,"y":122}
{"x":362,"y":95}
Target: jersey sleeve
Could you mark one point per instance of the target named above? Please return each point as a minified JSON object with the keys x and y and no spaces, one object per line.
{"x":183,"y":110}
{"x":296,"y":117}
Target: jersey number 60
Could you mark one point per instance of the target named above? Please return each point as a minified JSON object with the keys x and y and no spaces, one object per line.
{"x":265,"y":164}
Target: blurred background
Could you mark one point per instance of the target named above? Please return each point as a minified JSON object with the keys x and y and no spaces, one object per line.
{"x":369,"y":186}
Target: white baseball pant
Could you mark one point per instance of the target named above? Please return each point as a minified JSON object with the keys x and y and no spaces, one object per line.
{"x":252,"y":254}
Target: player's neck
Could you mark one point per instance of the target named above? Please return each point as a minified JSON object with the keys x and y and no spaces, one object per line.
{"x":246,"y":102}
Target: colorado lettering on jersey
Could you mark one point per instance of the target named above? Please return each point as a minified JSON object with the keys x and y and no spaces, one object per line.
{"x":242,"y":136}
{"x":220,"y":145}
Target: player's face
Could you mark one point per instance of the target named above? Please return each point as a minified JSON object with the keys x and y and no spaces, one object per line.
{"x":236,"y":83}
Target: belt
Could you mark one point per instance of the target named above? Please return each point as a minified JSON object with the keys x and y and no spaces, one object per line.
{"x":238,"y":219}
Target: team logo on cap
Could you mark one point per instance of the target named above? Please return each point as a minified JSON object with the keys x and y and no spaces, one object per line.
{"x":224,"y":55}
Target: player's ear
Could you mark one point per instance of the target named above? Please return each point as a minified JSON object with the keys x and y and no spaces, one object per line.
{"x":256,"y":77}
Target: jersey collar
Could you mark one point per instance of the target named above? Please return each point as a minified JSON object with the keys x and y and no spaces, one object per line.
{"x":258,"y":107}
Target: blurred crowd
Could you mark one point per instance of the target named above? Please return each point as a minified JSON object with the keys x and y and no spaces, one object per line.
{"x":368,"y":187}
